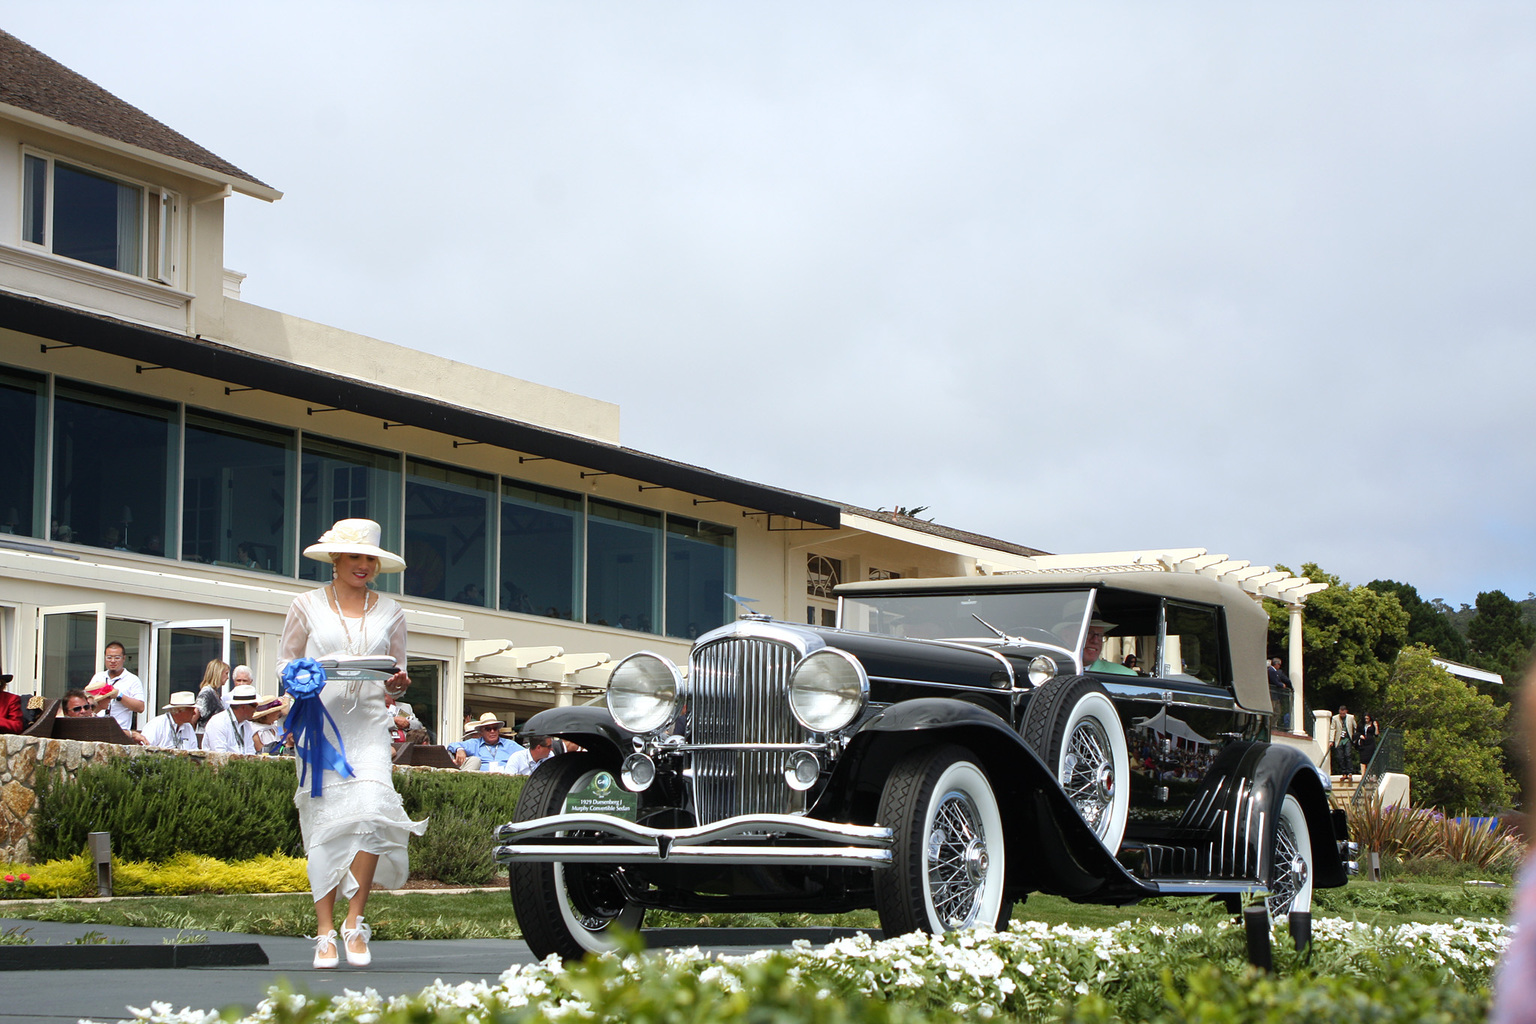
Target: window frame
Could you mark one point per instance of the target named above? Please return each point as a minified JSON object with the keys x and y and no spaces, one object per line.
{"x":159,"y":250}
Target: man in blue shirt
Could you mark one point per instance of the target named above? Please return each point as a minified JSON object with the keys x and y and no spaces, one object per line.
{"x":483,"y":749}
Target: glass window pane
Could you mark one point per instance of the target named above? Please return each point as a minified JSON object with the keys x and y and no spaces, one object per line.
{"x":236,"y":492}
{"x":426,"y":694}
{"x":343,"y":481}
{"x":34,"y":206}
{"x":23,"y":404}
{"x":447,"y":530}
{"x":112,"y":454}
{"x":701,"y":570}
{"x":623,"y":558}
{"x":96,"y":219}
{"x":1192,"y":647}
{"x":540,"y":551}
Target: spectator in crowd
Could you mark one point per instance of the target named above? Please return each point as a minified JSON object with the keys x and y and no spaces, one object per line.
{"x":10,"y":706}
{"x":231,"y":731}
{"x":173,"y":726}
{"x":1341,"y":740}
{"x":403,"y":720}
{"x":114,"y":690}
{"x":77,"y":704}
{"x":539,"y":750}
{"x":484,"y":748}
{"x":1280,"y":692}
{"x":210,"y":701}
{"x":1370,"y":735}
{"x":268,"y":717}
{"x":241,"y":674}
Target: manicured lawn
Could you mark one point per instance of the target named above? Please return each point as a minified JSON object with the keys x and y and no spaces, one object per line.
{"x":488,"y":914}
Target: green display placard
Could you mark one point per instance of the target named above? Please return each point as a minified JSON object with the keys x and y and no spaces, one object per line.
{"x":602,"y":794}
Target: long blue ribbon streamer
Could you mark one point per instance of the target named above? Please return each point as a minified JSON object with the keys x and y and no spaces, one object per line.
{"x":307,"y":723}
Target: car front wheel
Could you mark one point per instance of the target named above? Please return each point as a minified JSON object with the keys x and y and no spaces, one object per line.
{"x":948,"y":860}
{"x":1074,"y":727}
{"x":567,"y":909}
{"x":1290,"y":862}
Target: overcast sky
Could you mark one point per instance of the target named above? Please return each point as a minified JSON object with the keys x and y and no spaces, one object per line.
{"x":1254,"y":278}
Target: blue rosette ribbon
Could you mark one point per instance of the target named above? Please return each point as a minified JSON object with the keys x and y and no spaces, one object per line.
{"x":307,"y":722}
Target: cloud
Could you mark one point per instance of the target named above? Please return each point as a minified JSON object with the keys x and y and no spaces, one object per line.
{"x":1082,"y":278}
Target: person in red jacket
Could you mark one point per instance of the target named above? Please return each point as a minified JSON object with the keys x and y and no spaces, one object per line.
{"x":10,"y":707}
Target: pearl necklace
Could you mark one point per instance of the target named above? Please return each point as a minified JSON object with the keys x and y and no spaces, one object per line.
{"x":360,"y":644}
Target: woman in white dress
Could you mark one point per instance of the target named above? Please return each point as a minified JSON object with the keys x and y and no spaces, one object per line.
{"x":355,"y":832}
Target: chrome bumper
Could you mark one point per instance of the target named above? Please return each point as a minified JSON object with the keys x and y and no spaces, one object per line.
{"x":747,"y":839}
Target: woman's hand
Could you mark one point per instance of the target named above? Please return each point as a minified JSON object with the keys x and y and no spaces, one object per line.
{"x":395,"y":685}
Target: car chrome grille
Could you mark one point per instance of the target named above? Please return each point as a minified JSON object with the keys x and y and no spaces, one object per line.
{"x":739,"y":694}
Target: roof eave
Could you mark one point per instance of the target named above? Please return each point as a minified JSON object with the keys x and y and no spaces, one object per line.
{"x":187,"y":168}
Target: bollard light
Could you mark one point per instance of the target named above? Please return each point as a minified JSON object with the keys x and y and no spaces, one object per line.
{"x":101,"y":856}
{"x":1256,"y":925}
{"x":1301,"y":929}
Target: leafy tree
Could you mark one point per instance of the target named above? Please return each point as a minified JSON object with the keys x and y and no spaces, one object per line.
{"x":1427,"y":621}
{"x":1499,"y":637}
{"x":1451,"y":735}
{"x":1350,"y":639}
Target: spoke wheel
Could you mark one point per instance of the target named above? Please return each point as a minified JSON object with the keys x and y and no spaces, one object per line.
{"x":567,"y":909}
{"x":1074,"y":727}
{"x":1290,"y":871}
{"x":949,"y":858}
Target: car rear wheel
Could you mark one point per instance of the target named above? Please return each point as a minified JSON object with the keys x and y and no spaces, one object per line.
{"x":567,"y":909}
{"x":1074,"y":727}
{"x":948,"y":861}
{"x":1290,"y":862}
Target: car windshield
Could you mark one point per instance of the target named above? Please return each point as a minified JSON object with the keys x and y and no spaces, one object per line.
{"x":1051,"y":617}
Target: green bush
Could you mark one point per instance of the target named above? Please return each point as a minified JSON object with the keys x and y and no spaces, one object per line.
{"x":157,"y":807}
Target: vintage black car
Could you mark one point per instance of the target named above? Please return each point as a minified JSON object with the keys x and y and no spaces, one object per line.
{"x":953,"y":746}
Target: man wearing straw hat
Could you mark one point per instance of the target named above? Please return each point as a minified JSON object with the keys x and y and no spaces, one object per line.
{"x":484,"y":749}
{"x":173,"y":727}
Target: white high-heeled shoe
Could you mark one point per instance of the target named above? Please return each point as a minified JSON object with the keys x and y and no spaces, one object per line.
{"x":364,"y":932}
{"x":325,"y":950}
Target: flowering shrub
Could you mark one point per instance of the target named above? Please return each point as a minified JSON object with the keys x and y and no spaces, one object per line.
{"x":13,"y":885}
{"x":1131,"y":972}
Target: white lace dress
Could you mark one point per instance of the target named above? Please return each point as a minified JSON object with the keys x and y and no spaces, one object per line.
{"x":363,"y":813}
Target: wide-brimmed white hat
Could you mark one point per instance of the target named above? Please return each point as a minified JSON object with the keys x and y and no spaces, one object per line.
{"x":245,"y":693}
{"x":270,"y":706}
{"x":355,"y":537}
{"x":180,"y":701}
{"x":489,"y":718}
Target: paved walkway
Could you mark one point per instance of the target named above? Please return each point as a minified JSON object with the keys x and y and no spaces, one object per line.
{"x":401,"y":967}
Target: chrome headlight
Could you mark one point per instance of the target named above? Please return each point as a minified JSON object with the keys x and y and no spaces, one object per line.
{"x":827,"y":690}
{"x":642,"y":692}
{"x":1041,"y":668}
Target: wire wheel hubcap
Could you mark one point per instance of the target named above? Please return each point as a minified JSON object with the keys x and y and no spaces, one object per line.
{"x":957,"y":860}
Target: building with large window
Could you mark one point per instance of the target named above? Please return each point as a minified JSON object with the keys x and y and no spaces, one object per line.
{"x":169,"y":451}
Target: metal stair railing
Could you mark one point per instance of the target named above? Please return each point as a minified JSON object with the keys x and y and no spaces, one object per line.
{"x":1388,"y":757}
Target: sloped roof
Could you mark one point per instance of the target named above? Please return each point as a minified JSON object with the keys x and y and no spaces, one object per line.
{"x":947,"y":532}
{"x":33,"y":81}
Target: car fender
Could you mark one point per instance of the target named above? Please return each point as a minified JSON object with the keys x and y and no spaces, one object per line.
{"x":1284,"y":770}
{"x":1054,"y":850}
{"x":587,"y":726}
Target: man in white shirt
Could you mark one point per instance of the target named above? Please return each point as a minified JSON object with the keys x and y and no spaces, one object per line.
{"x":116,"y":691}
{"x":173,"y":728}
{"x":231,"y":731}
{"x":539,"y":750}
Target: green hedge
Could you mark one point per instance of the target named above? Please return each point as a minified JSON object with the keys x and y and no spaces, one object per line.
{"x":157,"y":807}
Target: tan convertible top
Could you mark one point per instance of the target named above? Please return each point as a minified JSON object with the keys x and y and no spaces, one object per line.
{"x":1247,"y":622}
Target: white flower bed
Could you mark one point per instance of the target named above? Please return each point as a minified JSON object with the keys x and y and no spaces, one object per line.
{"x":976,"y":973}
